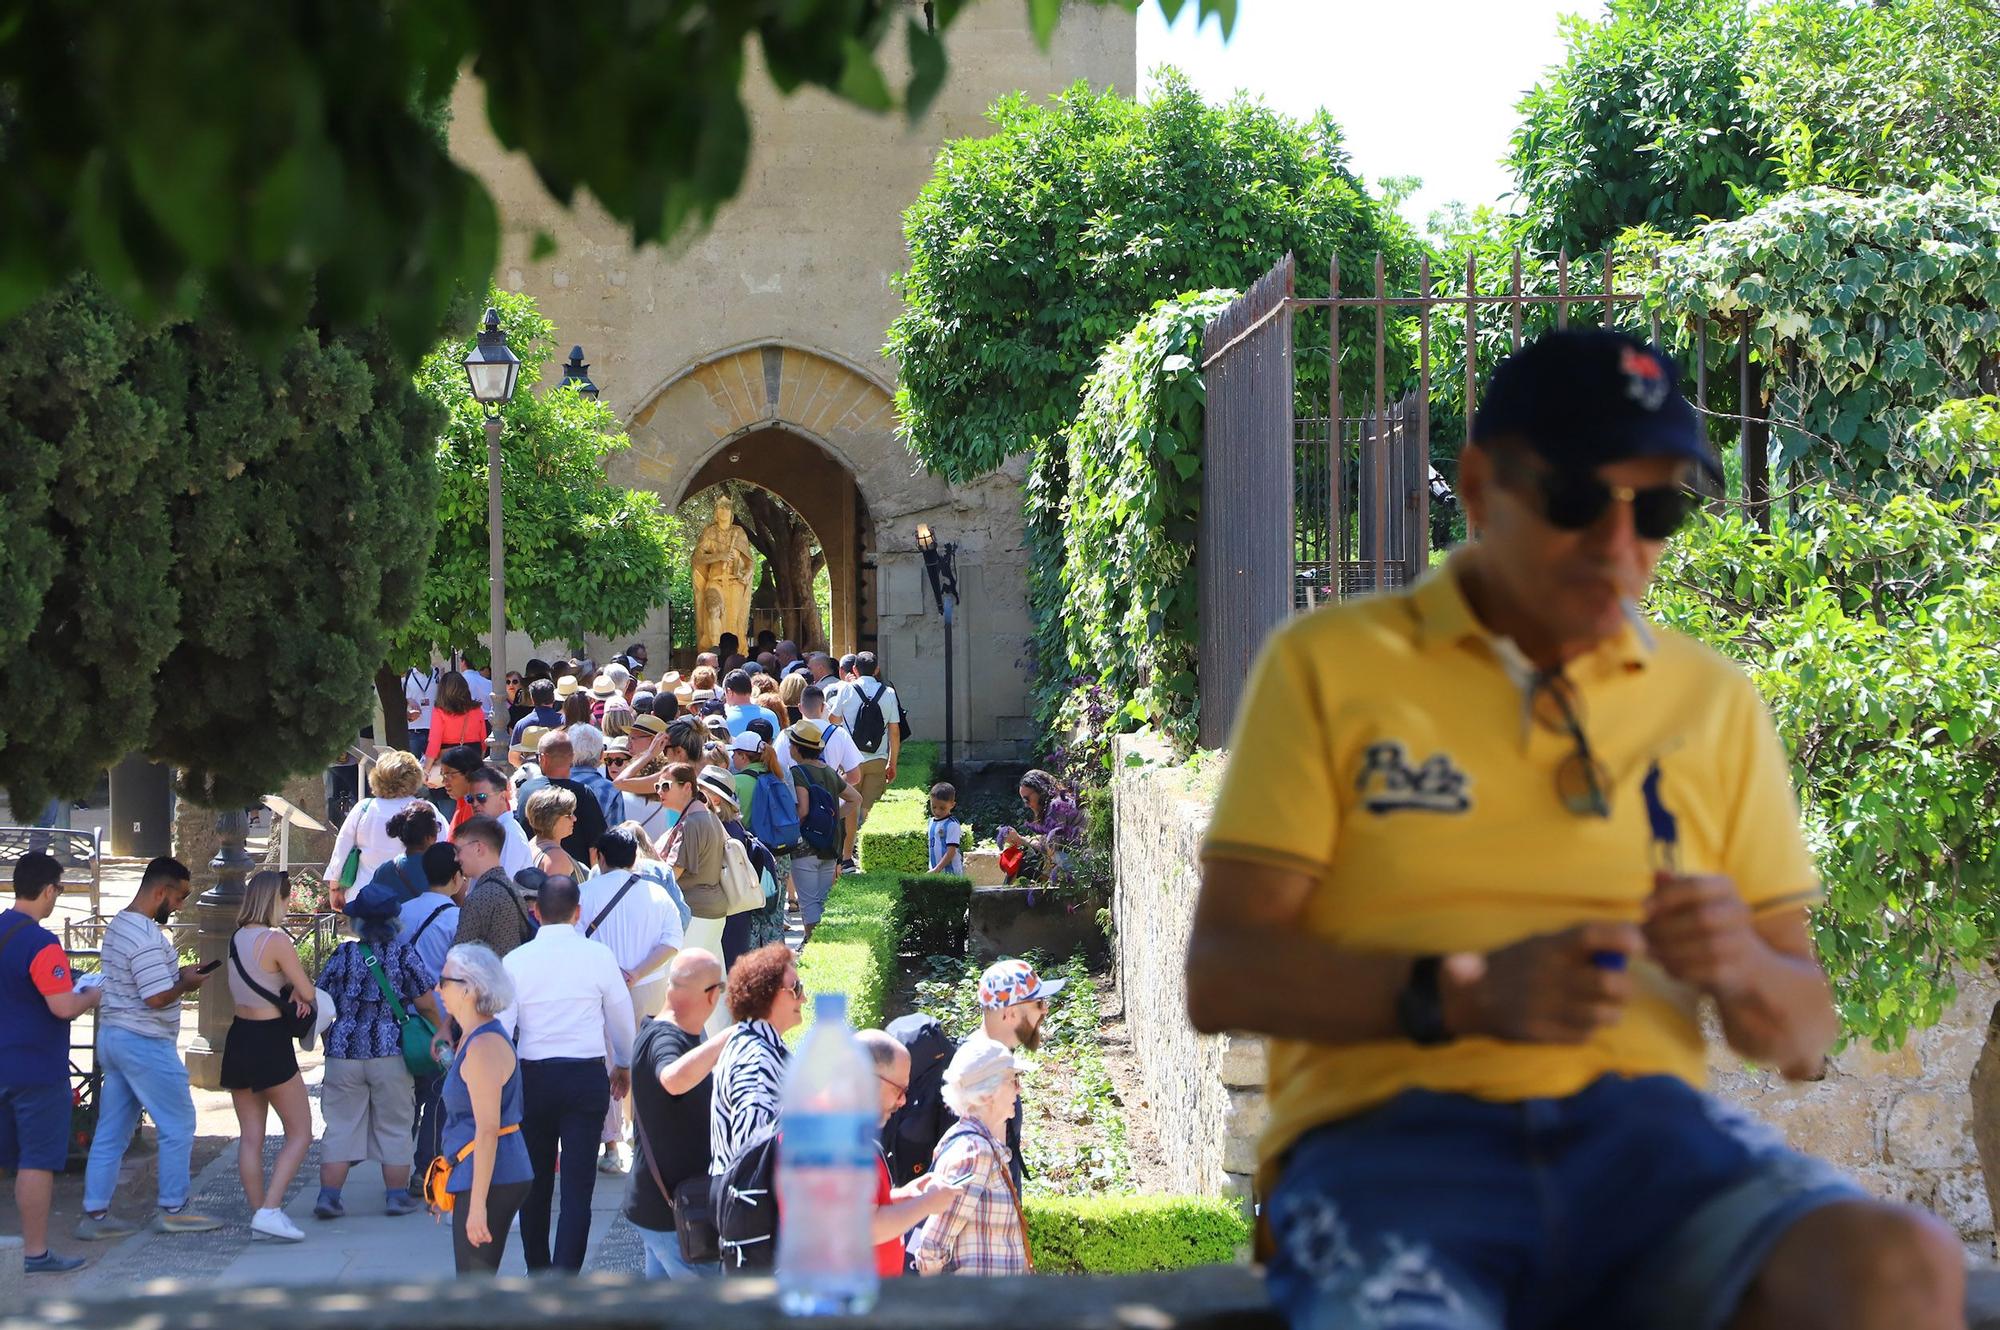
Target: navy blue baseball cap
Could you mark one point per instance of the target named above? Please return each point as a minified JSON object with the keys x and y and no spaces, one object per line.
{"x":1582,"y":397}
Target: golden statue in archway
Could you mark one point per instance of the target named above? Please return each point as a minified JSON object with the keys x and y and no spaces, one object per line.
{"x":722,"y":563}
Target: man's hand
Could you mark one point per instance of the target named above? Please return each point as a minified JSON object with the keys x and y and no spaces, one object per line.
{"x":1548,"y":989}
{"x":1701,"y":933}
{"x":621,"y":1082}
{"x":191,"y":976}
{"x":889,"y":772}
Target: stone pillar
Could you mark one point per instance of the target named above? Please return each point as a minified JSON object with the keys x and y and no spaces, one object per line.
{"x":215,"y":915}
{"x":309,"y":848}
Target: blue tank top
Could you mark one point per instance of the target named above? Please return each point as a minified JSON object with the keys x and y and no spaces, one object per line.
{"x":510,"y":1162}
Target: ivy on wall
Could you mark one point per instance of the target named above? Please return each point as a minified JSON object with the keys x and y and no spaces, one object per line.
{"x":1867,"y":311}
{"x":1118,"y":621}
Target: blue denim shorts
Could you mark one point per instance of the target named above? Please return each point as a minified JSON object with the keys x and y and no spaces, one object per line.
{"x":1634,"y":1203}
{"x":34,"y":1126}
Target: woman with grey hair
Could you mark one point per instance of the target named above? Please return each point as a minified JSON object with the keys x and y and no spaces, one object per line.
{"x":481,"y":1140}
{"x":982,"y":1232}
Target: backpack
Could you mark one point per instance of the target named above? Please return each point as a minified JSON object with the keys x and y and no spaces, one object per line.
{"x":774,"y":814}
{"x":819,"y":829}
{"x":910,"y":1137}
{"x":742,"y":888}
{"x":744,"y":1201}
{"x":870,"y":729}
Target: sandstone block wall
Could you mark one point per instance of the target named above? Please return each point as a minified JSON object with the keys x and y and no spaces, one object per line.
{"x":1900,"y":1123}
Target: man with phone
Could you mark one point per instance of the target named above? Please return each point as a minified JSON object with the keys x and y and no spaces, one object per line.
{"x":1435,"y":881}
{"x":899,"y":1209}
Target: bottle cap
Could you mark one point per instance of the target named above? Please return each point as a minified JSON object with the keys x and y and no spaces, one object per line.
{"x":830,"y":1007}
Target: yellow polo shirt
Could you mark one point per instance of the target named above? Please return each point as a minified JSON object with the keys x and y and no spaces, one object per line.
{"x":1384,"y":747}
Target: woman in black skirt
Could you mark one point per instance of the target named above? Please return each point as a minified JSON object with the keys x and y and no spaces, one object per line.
{"x":260,"y":1068}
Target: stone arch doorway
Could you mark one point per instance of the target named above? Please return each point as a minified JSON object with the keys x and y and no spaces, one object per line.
{"x":810,"y":480}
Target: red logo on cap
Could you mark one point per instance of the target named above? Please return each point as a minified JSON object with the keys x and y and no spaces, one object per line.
{"x":1645,"y":377}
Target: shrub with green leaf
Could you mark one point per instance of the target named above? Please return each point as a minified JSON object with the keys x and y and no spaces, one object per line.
{"x":853,"y":951}
{"x":1124,"y":614}
{"x":1121,"y":1235}
{"x":930,"y":914}
{"x":896,"y":837}
{"x":1867,"y":311}
{"x":1872,"y":627}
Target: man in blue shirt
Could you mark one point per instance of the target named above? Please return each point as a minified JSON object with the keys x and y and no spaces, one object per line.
{"x":37,"y":1002}
{"x":738,"y":709}
{"x":542,"y":695}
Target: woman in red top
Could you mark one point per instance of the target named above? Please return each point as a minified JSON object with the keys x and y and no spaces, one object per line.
{"x":456,"y":719}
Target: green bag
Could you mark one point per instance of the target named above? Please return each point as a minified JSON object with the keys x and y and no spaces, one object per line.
{"x":418,"y":1034}
{"x":351,"y":869}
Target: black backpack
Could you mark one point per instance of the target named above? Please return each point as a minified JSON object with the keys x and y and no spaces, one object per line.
{"x":869,"y":726}
{"x":744,"y":1197}
{"x":911,"y":1135}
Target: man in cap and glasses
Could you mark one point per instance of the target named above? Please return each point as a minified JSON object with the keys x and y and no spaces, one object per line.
{"x":1484,"y":848}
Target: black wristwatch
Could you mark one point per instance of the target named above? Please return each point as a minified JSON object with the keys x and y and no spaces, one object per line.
{"x":1419,"y":1009}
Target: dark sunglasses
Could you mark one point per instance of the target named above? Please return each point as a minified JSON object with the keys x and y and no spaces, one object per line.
{"x":798,"y":989}
{"x":480,"y":798}
{"x":1576,"y":501}
{"x":1582,"y":783}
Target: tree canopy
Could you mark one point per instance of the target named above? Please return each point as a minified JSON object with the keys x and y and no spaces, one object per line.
{"x":278,"y":158}
{"x":202,"y":552}
{"x":585,"y":557}
{"x":1034,"y":247}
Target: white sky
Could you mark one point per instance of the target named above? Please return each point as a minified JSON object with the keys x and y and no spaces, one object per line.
{"x":1421,"y":87}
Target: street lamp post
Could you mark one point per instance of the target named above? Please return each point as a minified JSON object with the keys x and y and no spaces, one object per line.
{"x":940,"y":563}
{"x":492,"y":369}
{"x":576,"y":374}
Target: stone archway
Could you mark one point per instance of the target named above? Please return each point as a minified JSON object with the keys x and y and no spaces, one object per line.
{"x":810,"y":480}
{"x":801,"y":424}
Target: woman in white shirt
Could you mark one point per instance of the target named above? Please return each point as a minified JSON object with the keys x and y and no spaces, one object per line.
{"x":396,"y":782}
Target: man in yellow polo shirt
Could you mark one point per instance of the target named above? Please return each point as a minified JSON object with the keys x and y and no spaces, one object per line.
{"x":1483,"y":851}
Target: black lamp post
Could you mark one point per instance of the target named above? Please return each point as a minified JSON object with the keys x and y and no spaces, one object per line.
{"x":940,"y":564}
{"x":492,"y":369}
{"x":577,"y":373}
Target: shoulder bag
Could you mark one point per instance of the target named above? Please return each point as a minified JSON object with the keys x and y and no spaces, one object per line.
{"x":298,"y":1027}
{"x":350,"y":870}
{"x":419,"y":1037}
{"x":694,"y":1212}
{"x":1006,"y":1176}
{"x":437,"y":1178}
{"x":609,"y":906}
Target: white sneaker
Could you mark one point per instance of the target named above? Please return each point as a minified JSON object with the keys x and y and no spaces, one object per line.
{"x":274,"y":1225}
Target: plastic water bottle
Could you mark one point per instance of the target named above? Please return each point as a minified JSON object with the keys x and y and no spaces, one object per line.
{"x":826,"y":1171}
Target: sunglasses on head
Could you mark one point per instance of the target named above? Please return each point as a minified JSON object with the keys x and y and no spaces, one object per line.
{"x":1575,"y":501}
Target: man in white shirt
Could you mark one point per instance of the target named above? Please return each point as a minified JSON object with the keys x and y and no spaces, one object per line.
{"x":570,"y":1004}
{"x":493,"y":796}
{"x":840,"y":752}
{"x":635,"y":917}
{"x":878,"y":758}
{"x":476,"y":680}
{"x":420,"y":691}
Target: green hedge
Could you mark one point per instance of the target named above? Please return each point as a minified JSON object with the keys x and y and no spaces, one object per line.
{"x":853,"y":950}
{"x":896,"y":837}
{"x":1119,"y":1235}
{"x":930,"y":914}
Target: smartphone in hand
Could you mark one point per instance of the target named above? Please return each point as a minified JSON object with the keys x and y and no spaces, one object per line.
{"x":210,"y":968}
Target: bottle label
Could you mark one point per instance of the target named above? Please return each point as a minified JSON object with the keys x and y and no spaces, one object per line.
{"x":828,"y":1140}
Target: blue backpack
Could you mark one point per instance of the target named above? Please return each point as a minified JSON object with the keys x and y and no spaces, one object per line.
{"x":819,"y":829}
{"x":774,"y":814}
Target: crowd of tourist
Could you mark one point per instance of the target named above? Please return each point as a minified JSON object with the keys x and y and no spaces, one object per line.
{"x":613,"y":904}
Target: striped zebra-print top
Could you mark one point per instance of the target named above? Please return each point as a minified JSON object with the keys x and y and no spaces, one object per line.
{"x":747,"y":1081}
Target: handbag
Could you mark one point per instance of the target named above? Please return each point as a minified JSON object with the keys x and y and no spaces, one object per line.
{"x":419,"y":1036}
{"x":350,"y":870}
{"x":302,"y":1028}
{"x":694,"y":1215}
{"x":706,"y":900}
{"x":437,"y":1178}
{"x":1011,"y":859}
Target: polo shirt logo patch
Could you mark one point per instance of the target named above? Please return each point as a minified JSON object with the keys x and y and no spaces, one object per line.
{"x":1389,"y":784}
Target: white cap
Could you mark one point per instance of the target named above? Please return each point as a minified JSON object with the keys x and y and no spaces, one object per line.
{"x":979,"y":1064}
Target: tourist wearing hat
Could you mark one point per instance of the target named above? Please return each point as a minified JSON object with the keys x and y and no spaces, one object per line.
{"x":813,"y":869}
{"x":367,"y":1096}
{"x":565,"y":687}
{"x":749,"y":929}
{"x":1537,"y":838}
{"x":983,"y":1231}
{"x":1013,"y":1003}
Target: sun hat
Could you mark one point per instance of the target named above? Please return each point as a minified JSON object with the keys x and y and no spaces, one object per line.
{"x":377,"y":900}
{"x":618,"y":743}
{"x":566,"y":686}
{"x":669,"y":682}
{"x":1010,"y":983}
{"x":618,"y":674}
{"x":808,"y":734}
{"x":980,"y":1062}
{"x":716,"y":785}
{"x":531,"y":739}
{"x":603,"y":688}
{"x":648,"y":724}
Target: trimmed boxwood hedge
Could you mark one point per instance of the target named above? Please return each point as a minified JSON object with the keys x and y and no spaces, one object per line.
{"x":1118,"y":1235}
{"x":930,"y":914}
{"x":853,"y":950}
{"x":896,"y":837}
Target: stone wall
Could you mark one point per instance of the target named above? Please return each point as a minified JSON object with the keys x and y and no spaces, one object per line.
{"x":1900,"y":1122}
